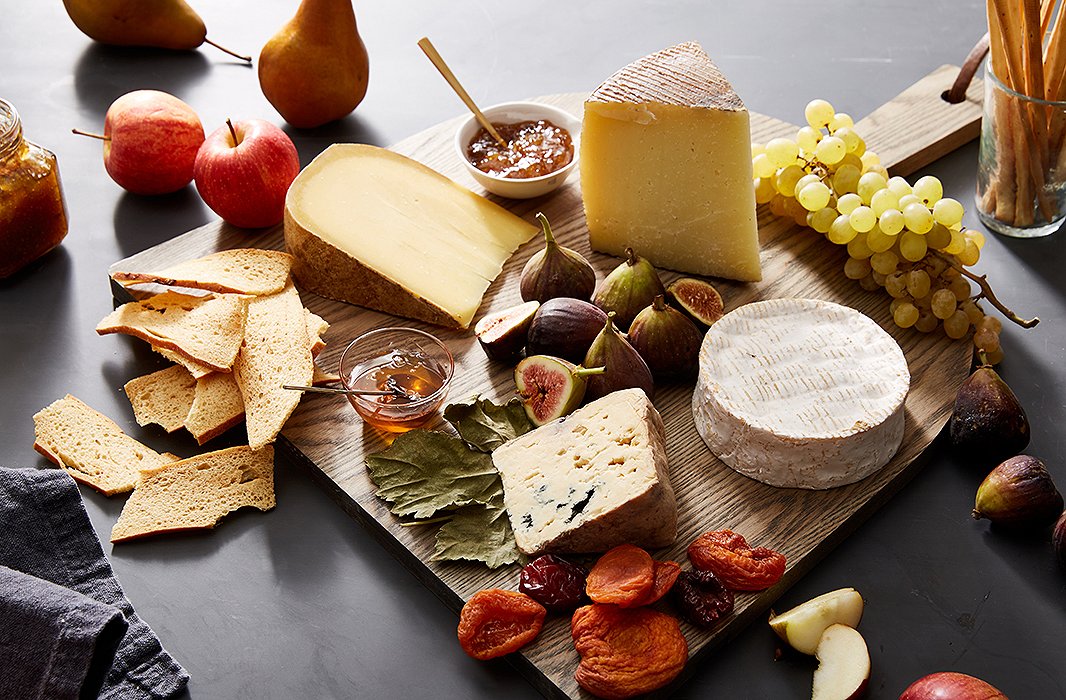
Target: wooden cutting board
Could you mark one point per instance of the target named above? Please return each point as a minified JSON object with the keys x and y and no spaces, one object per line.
{"x":910,"y":131}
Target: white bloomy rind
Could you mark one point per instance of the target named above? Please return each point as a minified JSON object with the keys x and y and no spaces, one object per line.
{"x":801,"y":393}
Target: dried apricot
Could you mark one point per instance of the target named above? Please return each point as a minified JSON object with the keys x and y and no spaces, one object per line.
{"x":626,"y":651}
{"x":624,"y":576}
{"x":736,"y":565}
{"x":666,"y":572}
{"x":495,"y":622}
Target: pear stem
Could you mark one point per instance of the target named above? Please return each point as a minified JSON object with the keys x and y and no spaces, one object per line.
{"x":79,"y":132}
{"x":232,"y":132}
{"x":549,"y":237}
{"x":588,"y":371}
{"x":247,"y":59}
{"x":987,"y":293}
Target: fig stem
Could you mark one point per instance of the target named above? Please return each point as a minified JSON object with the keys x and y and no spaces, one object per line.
{"x":659,"y":303}
{"x":549,"y":237}
{"x":987,"y":293}
{"x":588,"y":371}
{"x":631,"y":257}
{"x":246,"y":59}
{"x":79,"y":132}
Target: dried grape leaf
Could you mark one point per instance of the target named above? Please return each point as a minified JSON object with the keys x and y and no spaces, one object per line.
{"x":486,"y":425}
{"x":423,"y":472}
{"x":478,"y":533}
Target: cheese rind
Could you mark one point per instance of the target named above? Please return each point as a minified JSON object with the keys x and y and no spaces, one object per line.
{"x":666,"y":167}
{"x":372,"y":227}
{"x":801,"y":393}
{"x":592,"y":480}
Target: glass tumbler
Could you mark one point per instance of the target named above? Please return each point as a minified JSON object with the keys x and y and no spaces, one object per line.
{"x":1021,"y":165}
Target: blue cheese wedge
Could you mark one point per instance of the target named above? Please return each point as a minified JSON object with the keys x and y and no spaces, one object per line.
{"x":592,"y":480}
{"x":801,"y":393}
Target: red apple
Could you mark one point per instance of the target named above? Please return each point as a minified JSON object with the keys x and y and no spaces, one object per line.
{"x":843,"y":665}
{"x":951,"y":686}
{"x":243,"y":171}
{"x":150,"y":142}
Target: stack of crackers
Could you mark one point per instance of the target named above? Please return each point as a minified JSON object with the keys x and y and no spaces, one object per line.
{"x":237,"y":331}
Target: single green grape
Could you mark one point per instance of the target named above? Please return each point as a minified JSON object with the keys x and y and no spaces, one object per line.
{"x":862,"y":218}
{"x":819,"y":113}
{"x":848,"y":203}
{"x":814,"y":196}
{"x":786,"y":178}
{"x":879,"y":241}
{"x":912,"y":246}
{"x":947,"y":211}
{"x":869,"y":185}
{"x":960,"y":288}
{"x":757,"y":149}
{"x":764,"y":190}
{"x":896,"y":285}
{"x":977,"y":237}
{"x":970,"y":254}
{"x":956,"y":325}
{"x":782,"y":152}
{"x":849,"y":137}
{"x":761,"y":166}
{"x":899,"y":186}
{"x":918,"y":218}
{"x":841,"y":232}
{"x":926,"y":322}
{"x":918,"y":283}
{"x":808,"y":137}
{"x":846,"y":178}
{"x":856,"y":269}
{"x":907,"y":200}
{"x":905,"y":315}
{"x":884,"y":262}
{"x":839,"y":121}
{"x":957,"y":244}
{"x":822,"y":219}
{"x":929,"y":190}
{"x":857,"y":247}
{"x":851,"y":159}
{"x":891,"y":222}
{"x":830,"y":150}
{"x":943,"y":304}
{"x":883,"y":200}
{"x":806,"y":180}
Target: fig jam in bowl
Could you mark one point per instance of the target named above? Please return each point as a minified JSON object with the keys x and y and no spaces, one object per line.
{"x":541,"y":154}
{"x":414,"y":365}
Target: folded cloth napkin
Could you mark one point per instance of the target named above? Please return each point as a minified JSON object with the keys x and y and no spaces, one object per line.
{"x":46,"y":534}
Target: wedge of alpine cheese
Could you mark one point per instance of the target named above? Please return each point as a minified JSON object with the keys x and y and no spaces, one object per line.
{"x":666,"y":167}
{"x":592,"y":480}
{"x":801,"y":393}
{"x":372,"y":227}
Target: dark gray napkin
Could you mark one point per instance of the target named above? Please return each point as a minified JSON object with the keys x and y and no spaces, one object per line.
{"x":45,"y":532}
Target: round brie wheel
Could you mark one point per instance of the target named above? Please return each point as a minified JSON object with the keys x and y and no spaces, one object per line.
{"x":801,"y":393}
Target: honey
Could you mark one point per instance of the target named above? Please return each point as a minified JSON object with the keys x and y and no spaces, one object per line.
{"x":534,"y":149}
{"x":33,"y":214}
{"x":413,"y":366}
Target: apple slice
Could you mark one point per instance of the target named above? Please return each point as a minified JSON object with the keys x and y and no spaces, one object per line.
{"x":802,"y":626}
{"x":843,"y":665}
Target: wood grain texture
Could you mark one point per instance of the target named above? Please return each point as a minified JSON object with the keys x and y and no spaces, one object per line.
{"x":326,"y":435}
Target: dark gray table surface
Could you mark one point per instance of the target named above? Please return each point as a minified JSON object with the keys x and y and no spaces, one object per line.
{"x":301,"y":602}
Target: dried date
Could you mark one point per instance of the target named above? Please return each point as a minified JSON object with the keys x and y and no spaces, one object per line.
{"x":701,"y":598}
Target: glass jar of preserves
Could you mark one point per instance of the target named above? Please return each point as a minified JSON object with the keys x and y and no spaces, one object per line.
{"x":33,"y":215}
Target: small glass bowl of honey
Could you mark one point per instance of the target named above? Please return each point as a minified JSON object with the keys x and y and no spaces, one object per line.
{"x":412,"y":368}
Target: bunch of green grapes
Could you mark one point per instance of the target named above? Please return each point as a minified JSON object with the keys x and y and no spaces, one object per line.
{"x":908,"y":240}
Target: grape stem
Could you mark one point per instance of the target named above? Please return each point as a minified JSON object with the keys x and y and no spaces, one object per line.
{"x":987,"y":293}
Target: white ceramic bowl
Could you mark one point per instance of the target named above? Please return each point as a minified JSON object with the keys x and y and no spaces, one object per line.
{"x":509,"y":113}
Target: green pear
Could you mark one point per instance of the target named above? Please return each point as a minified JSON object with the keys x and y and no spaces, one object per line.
{"x":315,"y":69}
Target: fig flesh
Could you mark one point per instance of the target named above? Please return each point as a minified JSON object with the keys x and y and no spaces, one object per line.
{"x":550,"y":387}
{"x":503,"y":334}
{"x":667,"y":340}
{"x":1019,"y":493}
{"x":556,"y":271}
{"x":628,"y":289}
{"x":564,"y":328}
{"x":988,"y":423}
{"x":699,"y":300}
{"x":624,"y":367}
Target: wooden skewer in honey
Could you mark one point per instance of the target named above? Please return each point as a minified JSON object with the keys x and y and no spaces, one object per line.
{"x":431,"y":52}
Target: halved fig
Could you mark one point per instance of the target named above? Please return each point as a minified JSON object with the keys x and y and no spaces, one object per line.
{"x":550,"y":387}
{"x":503,"y":334}
{"x":698,"y":299}
{"x":565,"y":328}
